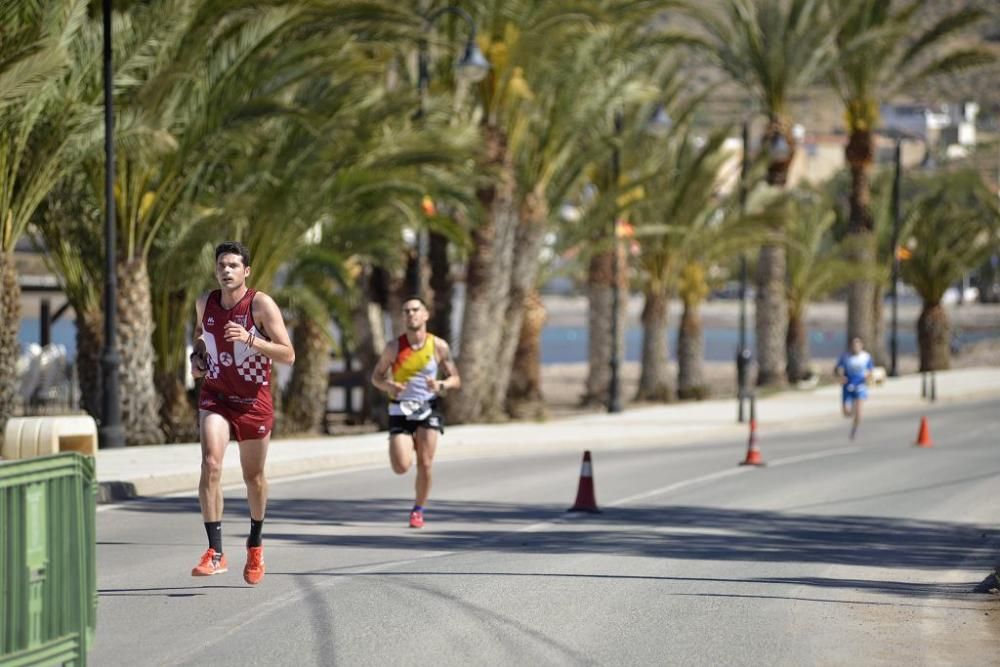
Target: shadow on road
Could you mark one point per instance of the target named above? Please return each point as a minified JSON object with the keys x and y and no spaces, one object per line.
{"x":671,"y":531}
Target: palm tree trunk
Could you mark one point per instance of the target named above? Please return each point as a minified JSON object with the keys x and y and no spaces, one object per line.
{"x":139,"y":396}
{"x":771,"y":307}
{"x":654,"y":380}
{"x":861,"y":293}
{"x":797,"y":344}
{"x":524,"y":392}
{"x":691,"y":353}
{"x":306,"y":395}
{"x":10,"y":322}
{"x":486,"y":284}
{"x":600,"y":295}
{"x":771,"y":315}
{"x":859,"y":154}
{"x":526,"y":258}
{"x":368,"y":342}
{"x":89,"y":341}
{"x":879,"y":346}
{"x":442,"y":285}
{"x":178,"y":415}
{"x":934,"y":338}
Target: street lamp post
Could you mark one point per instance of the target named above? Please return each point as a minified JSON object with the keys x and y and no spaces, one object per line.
{"x":111,"y":433}
{"x":614,"y":387}
{"x":743,"y":355}
{"x":472,"y":67}
{"x":897,"y":185}
{"x":658,"y":125}
{"x":893,"y":288}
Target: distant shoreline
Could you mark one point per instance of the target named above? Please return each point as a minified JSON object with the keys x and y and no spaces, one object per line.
{"x":572,"y":311}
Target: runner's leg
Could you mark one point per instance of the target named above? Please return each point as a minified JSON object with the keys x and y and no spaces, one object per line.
{"x":426,"y":444}
{"x":253,"y":455}
{"x":214,"y":438}
{"x":401,"y":452}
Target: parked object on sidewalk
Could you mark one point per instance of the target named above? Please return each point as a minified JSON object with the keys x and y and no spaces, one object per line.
{"x":44,"y":377}
{"x":31,"y":437}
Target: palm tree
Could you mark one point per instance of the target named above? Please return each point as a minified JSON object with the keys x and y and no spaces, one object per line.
{"x":774,"y":49}
{"x":529,"y":153}
{"x":838,"y":189}
{"x":67,"y":221}
{"x":35,"y":47}
{"x":680,"y":232}
{"x":186,"y":123}
{"x":37,"y":129}
{"x":194,"y":101}
{"x":883,"y":50}
{"x":955,"y":226}
{"x":686,"y":227}
{"x":816,"y":267}
{"x":344,"y":190}
{"x":633,"y":85}
{"x":555,"y":144}
{"x":314,"y":290}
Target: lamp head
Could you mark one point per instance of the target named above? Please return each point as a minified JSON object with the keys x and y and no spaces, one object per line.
{"x":473,"y":65}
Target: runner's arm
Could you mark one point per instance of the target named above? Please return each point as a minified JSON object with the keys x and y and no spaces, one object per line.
{"x":267,"y":314}
{"x":452,"y":380}
{"x":380,"y":374}
{"x":840,"y":370}
{"x":198,"y":363}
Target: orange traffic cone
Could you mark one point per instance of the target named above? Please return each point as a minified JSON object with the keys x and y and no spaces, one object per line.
{"x":585,"y":500}
{"x":753,"y":452}
{"x":924,"y":435}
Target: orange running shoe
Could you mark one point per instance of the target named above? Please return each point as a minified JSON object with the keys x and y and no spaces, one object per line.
{"x":416,"y":519}
{"x":209,"y":564}
{"x":253,"y":571}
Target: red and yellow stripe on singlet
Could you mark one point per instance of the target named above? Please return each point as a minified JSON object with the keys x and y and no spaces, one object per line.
{"x":409,"y":361}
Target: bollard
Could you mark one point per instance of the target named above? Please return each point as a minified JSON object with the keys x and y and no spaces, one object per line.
{"x":928,"y":390}
{"x":743,"y":359}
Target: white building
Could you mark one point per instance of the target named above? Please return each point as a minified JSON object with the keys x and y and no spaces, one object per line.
{"x":950,"y":123}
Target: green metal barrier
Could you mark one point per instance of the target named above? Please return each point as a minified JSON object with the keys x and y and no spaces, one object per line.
{"x":48,"y":570}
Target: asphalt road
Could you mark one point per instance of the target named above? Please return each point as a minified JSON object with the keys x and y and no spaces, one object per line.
{"x":836,"y":553}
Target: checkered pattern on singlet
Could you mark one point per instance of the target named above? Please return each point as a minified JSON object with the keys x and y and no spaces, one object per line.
{"x":212,"y":372}
{"x":254,"y":369}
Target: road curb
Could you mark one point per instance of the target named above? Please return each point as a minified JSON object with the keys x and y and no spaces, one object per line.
{"x":637,"y":427}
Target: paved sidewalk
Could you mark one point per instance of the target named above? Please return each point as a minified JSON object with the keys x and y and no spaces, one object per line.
{"x":161,"y":469}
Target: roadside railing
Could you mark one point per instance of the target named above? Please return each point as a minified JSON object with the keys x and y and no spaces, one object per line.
{"x":48,"y":574}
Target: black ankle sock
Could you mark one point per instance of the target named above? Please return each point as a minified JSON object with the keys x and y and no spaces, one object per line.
{"x":255,"y":528}
{"x":214,"y":531}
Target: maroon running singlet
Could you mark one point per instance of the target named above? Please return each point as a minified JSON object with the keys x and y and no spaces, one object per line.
{"x":237,"y":382}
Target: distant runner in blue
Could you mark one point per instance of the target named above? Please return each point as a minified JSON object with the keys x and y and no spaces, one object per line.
{"x":854,"y":370}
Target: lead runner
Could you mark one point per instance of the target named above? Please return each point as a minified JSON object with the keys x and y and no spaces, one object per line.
{"x":239,"y":332}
